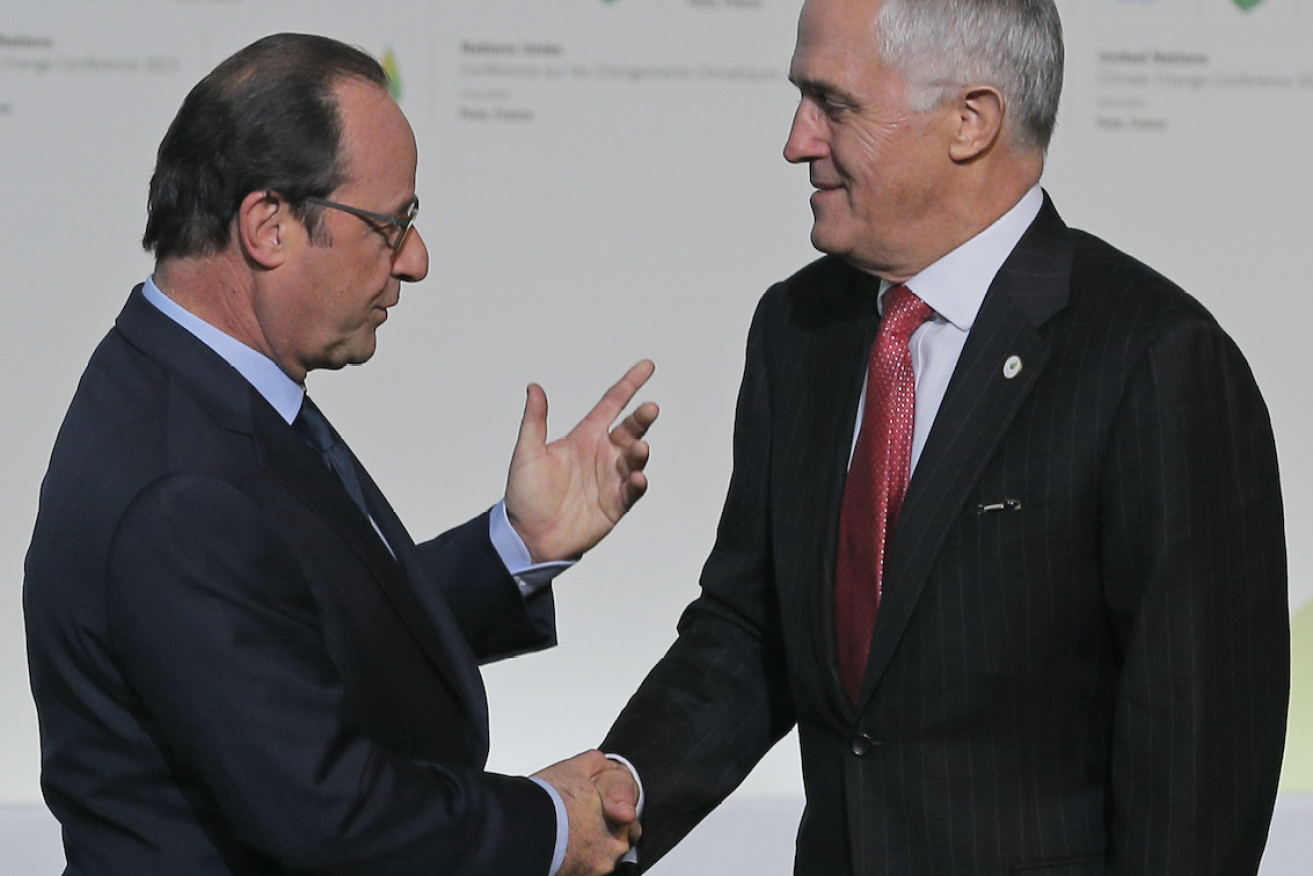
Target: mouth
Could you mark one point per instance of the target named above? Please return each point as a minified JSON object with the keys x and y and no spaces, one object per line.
{"x":824,"y":192}
{"x":384,"y":306}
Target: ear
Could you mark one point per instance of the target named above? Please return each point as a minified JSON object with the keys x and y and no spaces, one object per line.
{"x":263,"y":225}
{"x":978,"y":122}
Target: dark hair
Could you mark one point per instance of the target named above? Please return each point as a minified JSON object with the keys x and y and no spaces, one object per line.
{"x":266,"y":119}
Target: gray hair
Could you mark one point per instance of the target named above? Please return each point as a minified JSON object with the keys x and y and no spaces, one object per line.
{"x":1013,"y":45}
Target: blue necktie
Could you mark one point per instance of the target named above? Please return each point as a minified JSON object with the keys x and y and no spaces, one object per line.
{"x":313,"y":427}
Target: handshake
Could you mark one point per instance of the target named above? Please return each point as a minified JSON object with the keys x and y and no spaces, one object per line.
{"x":601,"y":801}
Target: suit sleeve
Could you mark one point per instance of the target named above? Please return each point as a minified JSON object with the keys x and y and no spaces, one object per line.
{"x":219,"y":637}
{"x":498,"y":620}
{"x":719,"y":699}
{"x":1194,"y":570}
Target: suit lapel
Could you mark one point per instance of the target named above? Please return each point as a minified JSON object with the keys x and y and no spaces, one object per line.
{"x":287,"y":458}
{"x":822,"y":382}
{"x":978,"y":407}
{"x":401,"y":577}
{"x":424,"y":607}
{"x":238,"y":407}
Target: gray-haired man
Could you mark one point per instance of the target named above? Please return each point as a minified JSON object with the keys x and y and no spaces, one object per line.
{"x":1004,"y":534}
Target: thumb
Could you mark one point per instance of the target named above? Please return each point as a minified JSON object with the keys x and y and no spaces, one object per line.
{"x":533,"y":425}
{"x":619,"y":794}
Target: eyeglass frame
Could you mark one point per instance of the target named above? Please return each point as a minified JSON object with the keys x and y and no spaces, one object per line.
{"x":402,"y":222}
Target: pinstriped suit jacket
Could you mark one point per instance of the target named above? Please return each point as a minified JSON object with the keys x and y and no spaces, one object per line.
{"x":1090,"y":678}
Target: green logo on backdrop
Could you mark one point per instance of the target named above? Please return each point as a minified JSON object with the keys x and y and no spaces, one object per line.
{"x":1297,"y":769}
{"x":1247,"y":4}
{"x":389,"y":62}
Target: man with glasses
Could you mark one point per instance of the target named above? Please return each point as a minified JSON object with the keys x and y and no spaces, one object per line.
{"x":394,"y":228}
{"x":241,"y":661}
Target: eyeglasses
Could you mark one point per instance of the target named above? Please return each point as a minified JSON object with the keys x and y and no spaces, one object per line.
{"x":401,"y":223}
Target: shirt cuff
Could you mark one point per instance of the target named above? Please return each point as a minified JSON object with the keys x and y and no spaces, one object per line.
{"x":531,"y":577}
{"x":562,"y":825}
{"x":631,"y":856}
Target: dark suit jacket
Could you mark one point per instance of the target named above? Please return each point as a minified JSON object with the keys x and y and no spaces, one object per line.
{"x":1092,"y":680}
{"x":232,"y":672}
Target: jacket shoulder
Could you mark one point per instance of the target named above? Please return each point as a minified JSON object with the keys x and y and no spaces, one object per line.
{"x":1107,"y":280}
{"x":825,"y":292}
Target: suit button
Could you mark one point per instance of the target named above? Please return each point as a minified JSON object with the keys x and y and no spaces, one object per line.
{"x":862,"y":744}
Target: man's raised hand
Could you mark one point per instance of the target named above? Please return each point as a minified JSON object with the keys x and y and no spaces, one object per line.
{"x":564,"y":497}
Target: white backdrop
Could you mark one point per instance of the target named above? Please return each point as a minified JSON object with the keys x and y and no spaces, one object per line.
{"x":602,"y":181}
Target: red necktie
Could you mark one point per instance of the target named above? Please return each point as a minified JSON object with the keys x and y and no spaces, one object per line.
{"x":877,"y":480}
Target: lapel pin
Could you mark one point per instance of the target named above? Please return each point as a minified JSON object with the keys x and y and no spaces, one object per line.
{"x":1012,"y":367}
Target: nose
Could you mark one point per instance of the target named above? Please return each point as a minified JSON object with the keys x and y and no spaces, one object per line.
{"x":807,"y":134}
{"x":411,"y":263}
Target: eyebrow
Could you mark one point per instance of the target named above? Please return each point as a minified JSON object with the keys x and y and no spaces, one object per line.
{"x":405,"y":206}
{"x":820,"y":88}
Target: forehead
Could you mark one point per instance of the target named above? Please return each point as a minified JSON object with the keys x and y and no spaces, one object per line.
{"x":837,"y":26}
{"x":837,"y":50}
{"x":378,"y":146}
{"x":834,"y":37}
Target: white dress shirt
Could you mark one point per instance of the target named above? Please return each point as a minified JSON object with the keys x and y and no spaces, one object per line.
{"x":954,"y":287}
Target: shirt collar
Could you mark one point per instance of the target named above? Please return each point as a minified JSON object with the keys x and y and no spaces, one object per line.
{"x":281,"y":391}
{"x":955,"y":286}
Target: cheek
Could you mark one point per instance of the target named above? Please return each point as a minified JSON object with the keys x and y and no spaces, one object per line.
{"x":362,"y":280}
{"x":380,"y":269}
{"x":871,"y":155}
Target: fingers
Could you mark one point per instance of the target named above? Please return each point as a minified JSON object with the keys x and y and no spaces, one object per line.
{"x":592,"y":762}
{"x":635,"y":425}
{"x":619,"y":794}
{"x":596,"y":841}
{"x":619,"y":395}
{"x":576,"y":770}
{"x":634,"y":453}
{"x":533,"y":425}
{"x":633,"y":489}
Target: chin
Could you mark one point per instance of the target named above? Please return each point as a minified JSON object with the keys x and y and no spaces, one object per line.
{"x":825,"y":240}
{"x":360,"y":357}
{"x":357,"y":353}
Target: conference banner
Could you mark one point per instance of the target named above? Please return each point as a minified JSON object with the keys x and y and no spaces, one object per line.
{"x":602,"y":181}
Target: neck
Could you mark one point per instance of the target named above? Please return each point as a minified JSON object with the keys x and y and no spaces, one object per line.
{"x":217,"y":290}
{"x":984,"y":193}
